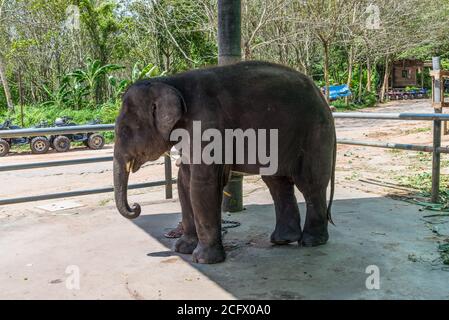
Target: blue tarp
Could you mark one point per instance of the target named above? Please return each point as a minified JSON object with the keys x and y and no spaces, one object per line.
{"x":336,"y":92}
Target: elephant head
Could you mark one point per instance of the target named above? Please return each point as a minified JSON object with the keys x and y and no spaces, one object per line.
{"x":148,"y":115}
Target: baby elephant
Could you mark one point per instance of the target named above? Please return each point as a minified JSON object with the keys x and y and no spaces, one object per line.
{"x":226,"y":119}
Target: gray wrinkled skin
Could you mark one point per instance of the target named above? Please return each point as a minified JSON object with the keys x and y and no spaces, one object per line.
{"x":255,"y":95}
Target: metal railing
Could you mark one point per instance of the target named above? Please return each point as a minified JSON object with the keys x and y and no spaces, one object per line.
{"x":33,"y":132}
{"x":435,"y":148}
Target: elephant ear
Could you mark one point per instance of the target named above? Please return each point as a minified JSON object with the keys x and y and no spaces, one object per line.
{"x":168,"y":108}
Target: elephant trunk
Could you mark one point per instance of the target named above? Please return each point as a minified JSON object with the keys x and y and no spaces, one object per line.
{"x":121,"y":175}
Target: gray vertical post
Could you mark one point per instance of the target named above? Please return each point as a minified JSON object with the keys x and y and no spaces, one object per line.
{"x":436,"y":136}
{"x":229,"y":31}
{"x":230,"y":51}
{"x":168,"y":178}
{"x":437,"y":89}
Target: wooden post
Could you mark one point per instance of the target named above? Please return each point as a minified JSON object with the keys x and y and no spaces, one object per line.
{"x":230,"y":51}
{"x":438,"y":100}
{"x":436,"y":134}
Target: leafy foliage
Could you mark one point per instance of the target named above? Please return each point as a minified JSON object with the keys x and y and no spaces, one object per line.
{"x":148,"y":71}
{"x":90,"y":79}
{"x":34,"y":114}
{"x":117,"y":42}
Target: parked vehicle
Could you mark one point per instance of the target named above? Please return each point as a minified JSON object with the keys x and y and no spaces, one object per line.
{"x":61,"y":143}
{"x":38,"y":145}
{"x":403,"y":94}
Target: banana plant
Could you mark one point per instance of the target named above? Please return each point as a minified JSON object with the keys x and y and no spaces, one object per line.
{"x":92,"y":74}
{"x":78,"y":92}
{"x":59,"y":97}
{"x":117,"y":86}
{"x":148,"y":71}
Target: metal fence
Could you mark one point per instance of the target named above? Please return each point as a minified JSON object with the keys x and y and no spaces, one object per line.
{"x":435,"y":148}
{"x":34,"y":132}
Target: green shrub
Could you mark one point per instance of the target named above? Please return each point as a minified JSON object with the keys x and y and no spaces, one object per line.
{"x":369,"y":100}
{"x":32,"y":115}
{"x":342,"y":105}
{"x":411,"y":88}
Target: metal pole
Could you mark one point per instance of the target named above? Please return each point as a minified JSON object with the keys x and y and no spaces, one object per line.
{"x":69,"y":194}
{"x":46,"y":164}
{"x":436,"y":137}
{"x":391,"y":116}
{"x":390,"y":145}
{"x":230,"y":51}
{"x":34,"y":132}
{"x":168,"y":178}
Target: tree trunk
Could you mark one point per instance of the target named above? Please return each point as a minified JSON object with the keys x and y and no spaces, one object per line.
{"x":101,"y":84}
{"x":247,"y":49}
{"x":422,"y":78}
{"x":350,"y":67}
{"x":21,"y":100}
{"x":360,"y":82}
{"x":167,"y":62}
{"x":368,"y":75}
{"x":384,"y":88}
{"x":20,"y":85}
{"x":6,"y":86}
{"x":326,"y":69}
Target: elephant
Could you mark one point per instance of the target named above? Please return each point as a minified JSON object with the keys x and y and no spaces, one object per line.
{"x":246,"y":95}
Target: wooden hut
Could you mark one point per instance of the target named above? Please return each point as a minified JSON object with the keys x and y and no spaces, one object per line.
{"x":407,"y":73}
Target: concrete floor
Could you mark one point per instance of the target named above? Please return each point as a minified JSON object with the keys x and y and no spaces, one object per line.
{"x":122,"y":259}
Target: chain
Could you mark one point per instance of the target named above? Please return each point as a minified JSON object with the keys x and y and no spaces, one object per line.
{"x":228,"y":224}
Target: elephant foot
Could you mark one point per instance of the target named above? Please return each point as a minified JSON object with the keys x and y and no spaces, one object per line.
{"x":186,"y":244}
{"x":286,"y":235}
{"x":314,"y":239}
{"x":209,"y":254}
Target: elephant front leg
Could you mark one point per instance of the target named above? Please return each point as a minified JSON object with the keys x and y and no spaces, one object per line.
{"x":189,"y":240}
{"x":206,"y":194}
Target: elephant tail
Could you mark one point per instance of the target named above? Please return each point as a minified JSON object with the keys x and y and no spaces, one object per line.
{"x":331,"y":198}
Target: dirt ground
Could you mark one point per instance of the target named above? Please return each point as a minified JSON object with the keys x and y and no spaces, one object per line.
{"x":117,"y":258}
{"x":358,"y":163}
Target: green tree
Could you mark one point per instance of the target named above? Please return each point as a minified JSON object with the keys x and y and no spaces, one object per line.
{"x":91,"y":77}
{"x":176,"y":31}
{"x":102,"y":25}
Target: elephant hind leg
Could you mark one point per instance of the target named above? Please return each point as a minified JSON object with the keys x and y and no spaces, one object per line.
{"x":288,"y":223}
{"x":315,"y":227}
{"x":312,"y":178}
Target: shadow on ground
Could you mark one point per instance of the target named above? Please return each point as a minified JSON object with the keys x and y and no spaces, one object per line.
{"x":378,"y":232}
